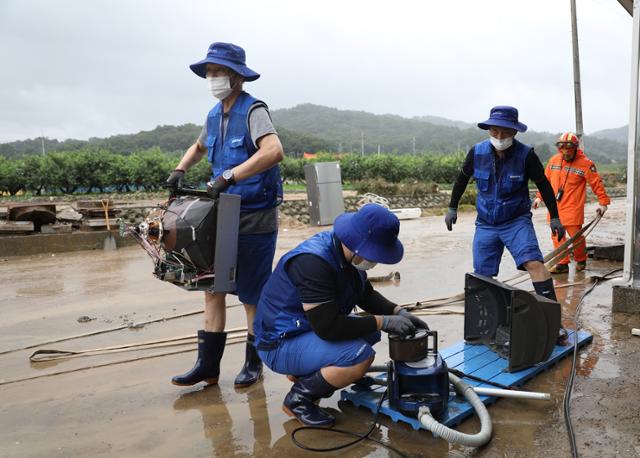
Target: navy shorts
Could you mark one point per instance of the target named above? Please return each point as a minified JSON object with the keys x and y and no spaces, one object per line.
{"x":518,"y":235}
{"x":255,"y":261}
{"x":307,"y":353}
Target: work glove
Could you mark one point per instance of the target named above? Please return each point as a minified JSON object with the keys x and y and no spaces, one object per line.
{"x":398,"y":324}
{"x":451,"y":217}
{"x":601,"y":210}
{"x":536,"y":203}
{"x":175,"y":179}
{"x":417,"y":322}
{"x":557,"y":228}
{"x":214,"y":188}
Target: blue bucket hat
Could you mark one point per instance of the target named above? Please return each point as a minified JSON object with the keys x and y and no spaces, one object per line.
{"x":371,"y":233}
{"x":503,"y":116}
{"x":226,"y":54}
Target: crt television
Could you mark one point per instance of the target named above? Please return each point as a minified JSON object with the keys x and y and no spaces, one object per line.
{"x":521,"y":327}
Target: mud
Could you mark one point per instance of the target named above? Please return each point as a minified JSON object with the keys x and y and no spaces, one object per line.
{"x":132,"y":410}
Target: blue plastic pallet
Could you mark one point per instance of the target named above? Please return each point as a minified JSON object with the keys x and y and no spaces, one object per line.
{"x":473,"y":359}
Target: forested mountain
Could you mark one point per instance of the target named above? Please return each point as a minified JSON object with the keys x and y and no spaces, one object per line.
{"x":395,"y":134}
{"x":621,"y":134}
{"x":315,"y":128}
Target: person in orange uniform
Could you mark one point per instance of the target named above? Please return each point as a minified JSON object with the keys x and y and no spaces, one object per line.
{"x":568,"y":172}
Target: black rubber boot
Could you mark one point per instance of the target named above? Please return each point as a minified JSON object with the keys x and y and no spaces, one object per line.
{"x":300,"y":401}
{"x":252,"y":369}
{"x":207,"y":367}
{"x":545,"y":288}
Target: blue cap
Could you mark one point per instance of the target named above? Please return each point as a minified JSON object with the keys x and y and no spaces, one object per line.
{"x":371,"y":233}
{"x":503,"y":116}
{"x":226,"y":54}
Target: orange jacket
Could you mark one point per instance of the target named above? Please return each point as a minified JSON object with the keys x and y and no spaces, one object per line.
{"x":574,"y":176}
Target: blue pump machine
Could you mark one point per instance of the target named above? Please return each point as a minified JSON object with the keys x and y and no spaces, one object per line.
{"x":417,"y":375}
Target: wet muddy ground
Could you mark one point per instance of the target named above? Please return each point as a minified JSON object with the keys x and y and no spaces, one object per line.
{"x":131,"y":409}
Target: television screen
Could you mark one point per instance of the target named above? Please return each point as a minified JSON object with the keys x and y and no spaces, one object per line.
{"x":520,"y":326}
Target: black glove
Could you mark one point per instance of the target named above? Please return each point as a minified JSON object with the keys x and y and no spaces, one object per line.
{"x":398,"y":324}
{"x":175,"y":179}
{"x":214,"y":188}
{"x":451,"y":217}
{"x":557,"y":228}
{"x":417,"y":322}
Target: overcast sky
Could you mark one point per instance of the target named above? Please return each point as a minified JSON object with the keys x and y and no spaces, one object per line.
{"x":94,"y":68}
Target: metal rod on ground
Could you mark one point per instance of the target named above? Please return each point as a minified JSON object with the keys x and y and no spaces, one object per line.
{"x":482,"y":391}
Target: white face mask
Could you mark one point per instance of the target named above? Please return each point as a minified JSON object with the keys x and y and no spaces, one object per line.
{"x":219,"y":86}
{"x":503,"y":144}
{"x":364,"y":265}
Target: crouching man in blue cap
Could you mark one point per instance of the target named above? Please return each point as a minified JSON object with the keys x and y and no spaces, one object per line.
{"x":502,"y":168}
{"x":303,"y":324}
{"x":243,"y":148}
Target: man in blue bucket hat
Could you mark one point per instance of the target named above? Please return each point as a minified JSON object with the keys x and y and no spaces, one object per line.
{"x":303,"y":325}
{"x":243,"y":148}
{"x":502,"y":168}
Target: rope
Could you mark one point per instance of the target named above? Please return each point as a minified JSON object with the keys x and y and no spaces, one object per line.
{"x":112,"y":363}
{"x":104,"y":331}
{"x":51,"y":355}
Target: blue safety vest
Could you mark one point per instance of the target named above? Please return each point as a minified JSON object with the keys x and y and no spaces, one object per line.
{"x":280,"y":314}
{"x":227,"y":150}
{"x":504,"y":197}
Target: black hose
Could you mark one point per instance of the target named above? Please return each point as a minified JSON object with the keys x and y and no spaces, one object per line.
{"x":381,"y":368}
{"x":566,"y":402}
{"x":359,"y":437}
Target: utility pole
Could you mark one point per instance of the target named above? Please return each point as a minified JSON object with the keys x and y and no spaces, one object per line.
{"x":576,"y":71}
{"x":378,"y":149}
{"x":414,"y":145}
{"x":362,"y":143}
{"x":42,"y":141}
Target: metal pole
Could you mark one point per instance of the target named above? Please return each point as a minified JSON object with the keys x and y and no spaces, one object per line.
{"x":362,"y":143}
{"x":482,"y":391}
{"x":632,"y":242}
{"x":576,"y":71}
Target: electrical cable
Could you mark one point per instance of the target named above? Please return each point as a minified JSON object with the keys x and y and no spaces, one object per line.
{"x":360,"y":437}
{"x":566,"y":401}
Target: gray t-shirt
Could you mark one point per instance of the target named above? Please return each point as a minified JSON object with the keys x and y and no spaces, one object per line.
{"x":259,"y":221}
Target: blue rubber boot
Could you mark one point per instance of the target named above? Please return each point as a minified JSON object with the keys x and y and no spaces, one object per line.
{"x":252,"y":369}
{"x":300,"y":402}
{"x":207,"y":368}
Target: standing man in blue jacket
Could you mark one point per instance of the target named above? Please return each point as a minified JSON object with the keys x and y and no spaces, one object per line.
{"x":502,"y":168}
{"x":303,"y":326}
{"x":243,"y":148}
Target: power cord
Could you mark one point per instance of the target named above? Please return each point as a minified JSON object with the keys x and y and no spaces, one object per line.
{"x":566,"y":402}
{"x":360,"y":437}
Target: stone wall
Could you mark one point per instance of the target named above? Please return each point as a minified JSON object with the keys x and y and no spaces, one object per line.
{"x":298,"y":209}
